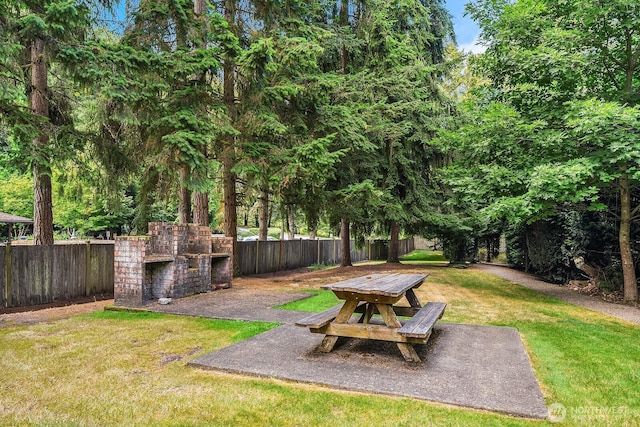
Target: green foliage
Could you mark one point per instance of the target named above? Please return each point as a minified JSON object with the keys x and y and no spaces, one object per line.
{"x":555,"y":129}
{"x":281,"y":150}
{"x":138,"y":107}
{"x":38,"y":91}
{"x":16,"y":195}
{"x":356,"y":203}
{"x":158,"y":91}
{"x":61,"y":24}
{"x":548,"y":247}
{"x":386,"y":110}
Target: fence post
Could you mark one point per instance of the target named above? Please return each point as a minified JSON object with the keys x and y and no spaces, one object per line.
{"x":334,"y":250}
{"x":318,"y":257}
{"x":7,"y":274}
{"x":87,"y":269}
{"x":280,"y":257}
{"x":300,"y":259}
{"x":257,"y":255}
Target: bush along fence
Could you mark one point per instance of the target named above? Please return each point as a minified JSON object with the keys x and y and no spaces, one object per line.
{"x":258,"y":257}
{"x":33,"y":275}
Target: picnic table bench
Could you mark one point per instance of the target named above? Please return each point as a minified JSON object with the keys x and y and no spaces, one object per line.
{"x":377,"y":294}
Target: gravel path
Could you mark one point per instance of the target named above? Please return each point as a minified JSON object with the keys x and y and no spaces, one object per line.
{"x":624,"y":312}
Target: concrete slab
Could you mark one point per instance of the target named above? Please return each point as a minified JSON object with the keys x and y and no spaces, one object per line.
{"x":483,"y":367}
{"x":237,"y":304}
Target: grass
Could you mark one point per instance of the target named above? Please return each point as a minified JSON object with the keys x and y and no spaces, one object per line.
{"x":585,"y":360}
{"x":119,"y":368}
{"x":318,"y":267}
{"x":424,"y":256}
{"x":321,"y":301}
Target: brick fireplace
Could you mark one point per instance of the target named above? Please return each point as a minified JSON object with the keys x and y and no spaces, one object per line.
{"x":173,"y":261}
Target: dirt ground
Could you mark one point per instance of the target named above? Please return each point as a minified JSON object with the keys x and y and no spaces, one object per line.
{"x":297,"y":279}
{"x":47,"y":313}
{"x":305,"y":279}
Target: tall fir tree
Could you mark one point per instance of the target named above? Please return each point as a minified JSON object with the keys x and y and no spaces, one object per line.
{"x":34,"y":33}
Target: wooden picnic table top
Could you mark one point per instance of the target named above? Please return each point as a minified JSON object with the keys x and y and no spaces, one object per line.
{"x":388,"y":285}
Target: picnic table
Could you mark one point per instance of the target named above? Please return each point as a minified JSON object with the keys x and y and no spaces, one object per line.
{"x":377,"y":294}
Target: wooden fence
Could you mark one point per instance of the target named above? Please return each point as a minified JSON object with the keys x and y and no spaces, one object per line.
{"x":267,"y":257}
{"x":33,"y":275}
{"x":43,"y":274}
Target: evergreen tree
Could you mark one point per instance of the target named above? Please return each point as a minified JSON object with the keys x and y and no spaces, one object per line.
{"x":388,"y":60}
{"x":179,"y":110}
{"x":32,"y":103}
{"x":281,"y":92}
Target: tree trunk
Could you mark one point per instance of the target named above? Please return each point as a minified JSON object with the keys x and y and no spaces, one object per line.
{"x":526,"y":252}
{"x":345,"y":242}
{"x":489,"y":249}
{"x":394,"y":243}
{"x":201,"y":201}
{"x":228,"y":148}
{"x":263,"y":220}
{"x":184,"y":207}
{"x":344,"y":21}
{"x":344,"y":13}
{"x":345,"y":238}
{"x":39,"y":103}
{"x":201,"y":208}
{"x":624,"y":238}
{"x":312,"y":223}
{"x":201,"y":198}
{"x":230,"y":212}
{"x":42,"y":210}
{"x":199,"y":7}
{"x":291,"y":220}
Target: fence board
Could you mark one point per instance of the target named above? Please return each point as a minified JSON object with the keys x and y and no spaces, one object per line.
{"x":44,"y":274}
{"x":68,"y":272}
{"x":268,"y":254}
{"x":271,"y":256}
{"x":246,"y":259}
{"x":101,"y":271}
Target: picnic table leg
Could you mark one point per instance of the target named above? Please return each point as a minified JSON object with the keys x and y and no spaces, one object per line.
{"x":329,"y":341}
{"x":390,"y":319}
{"x":368,"y":313}
{"x":413,"y":299}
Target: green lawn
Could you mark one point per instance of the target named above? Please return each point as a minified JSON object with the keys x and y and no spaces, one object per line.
{"x":119,"y":368}
{"x":424,"y":256}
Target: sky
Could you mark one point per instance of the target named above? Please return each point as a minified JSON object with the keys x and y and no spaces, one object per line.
{"x":466,"y":29}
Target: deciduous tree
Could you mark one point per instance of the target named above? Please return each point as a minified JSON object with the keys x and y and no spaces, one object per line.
{"x":568,"y":74}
